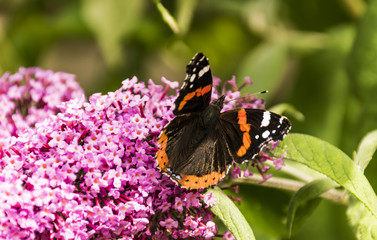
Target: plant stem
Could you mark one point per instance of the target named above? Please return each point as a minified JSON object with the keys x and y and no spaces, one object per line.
{"x":294,"y":172}
{"x":167,"y":17}
{"x":290,"y":185}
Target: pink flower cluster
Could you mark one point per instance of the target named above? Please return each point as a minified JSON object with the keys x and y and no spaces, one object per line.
{"x":31,"y":95}
{"x":89,"y":171}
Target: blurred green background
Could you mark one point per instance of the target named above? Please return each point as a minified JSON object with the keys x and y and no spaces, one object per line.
{"x":303,"y":52}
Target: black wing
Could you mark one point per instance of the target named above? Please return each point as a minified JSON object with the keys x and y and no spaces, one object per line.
{"x":196,"y":90}
{"x":192,"y":157}
{"x":249,"y":130}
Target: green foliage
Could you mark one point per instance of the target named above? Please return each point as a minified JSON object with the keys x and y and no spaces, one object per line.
{"x":306,"y":199}
{"x":366,"y":150}
{"x":112,"y":21}
{"x":339,"y":169}
{"x":265,"y":209}
{"x":231,"y":216}
{"x":265,"y":56}
{"x":363,"y":72}
{"x":333,"y":163}
{"x":363,"y":222}
{"x":287,"y":109}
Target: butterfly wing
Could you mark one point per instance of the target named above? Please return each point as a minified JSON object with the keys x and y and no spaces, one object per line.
{"x":175,"y":142}
{"x":196,"y":90}
{"x":190,"y":157}
{"x":249,"y":130}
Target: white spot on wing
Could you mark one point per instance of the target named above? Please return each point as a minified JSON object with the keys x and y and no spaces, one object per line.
{"x":266,"y":134}
{"x":266,"y":119}
{"x":193,"y":76}
{"x":256,"y":136}
{"x":281,"y":120}
{"x":203,"y":71}
{"x":177,"y":176}
{"x":191,"y":85}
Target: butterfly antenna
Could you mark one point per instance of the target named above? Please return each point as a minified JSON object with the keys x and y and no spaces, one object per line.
{"x":261,"y":92}
{"x":252,"y":94}
{"x":247,"y":97}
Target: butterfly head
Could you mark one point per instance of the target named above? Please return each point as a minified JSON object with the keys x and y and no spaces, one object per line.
{"x":219,"y":102}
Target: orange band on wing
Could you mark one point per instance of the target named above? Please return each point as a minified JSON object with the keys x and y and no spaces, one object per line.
{"x":187,"y":97}
{"x":162,"y":139}
{"x":246,"y":140}
{"x":162,"y":158}
{"x":181,"y":105}
{"x":241,"y":151}
{"x":199,"y":92}
{"x":195,"y":182}
{"x":245,"y":128}
{"x":242,"y":118}
{"x":206,"y":89}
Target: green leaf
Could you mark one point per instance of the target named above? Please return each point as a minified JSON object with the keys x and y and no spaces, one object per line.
{"x":330,"y":161}
{"x":304,"y":198}
{"x":264,"y":208}
{"x":364,"y":224}
{"x":366,"y":150}
{"x":289,"y":109}
{"x":168,"y":18}
{"x":231,"y":216}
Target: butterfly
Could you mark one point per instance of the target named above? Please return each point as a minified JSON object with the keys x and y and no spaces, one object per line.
{"x":198,"y":147}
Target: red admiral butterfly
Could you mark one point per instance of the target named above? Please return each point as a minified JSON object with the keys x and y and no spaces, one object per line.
{"x":200,"y":144}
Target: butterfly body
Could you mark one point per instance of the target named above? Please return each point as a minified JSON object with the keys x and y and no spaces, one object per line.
{"x":199,"y":145}
{"x":210,"y":116}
